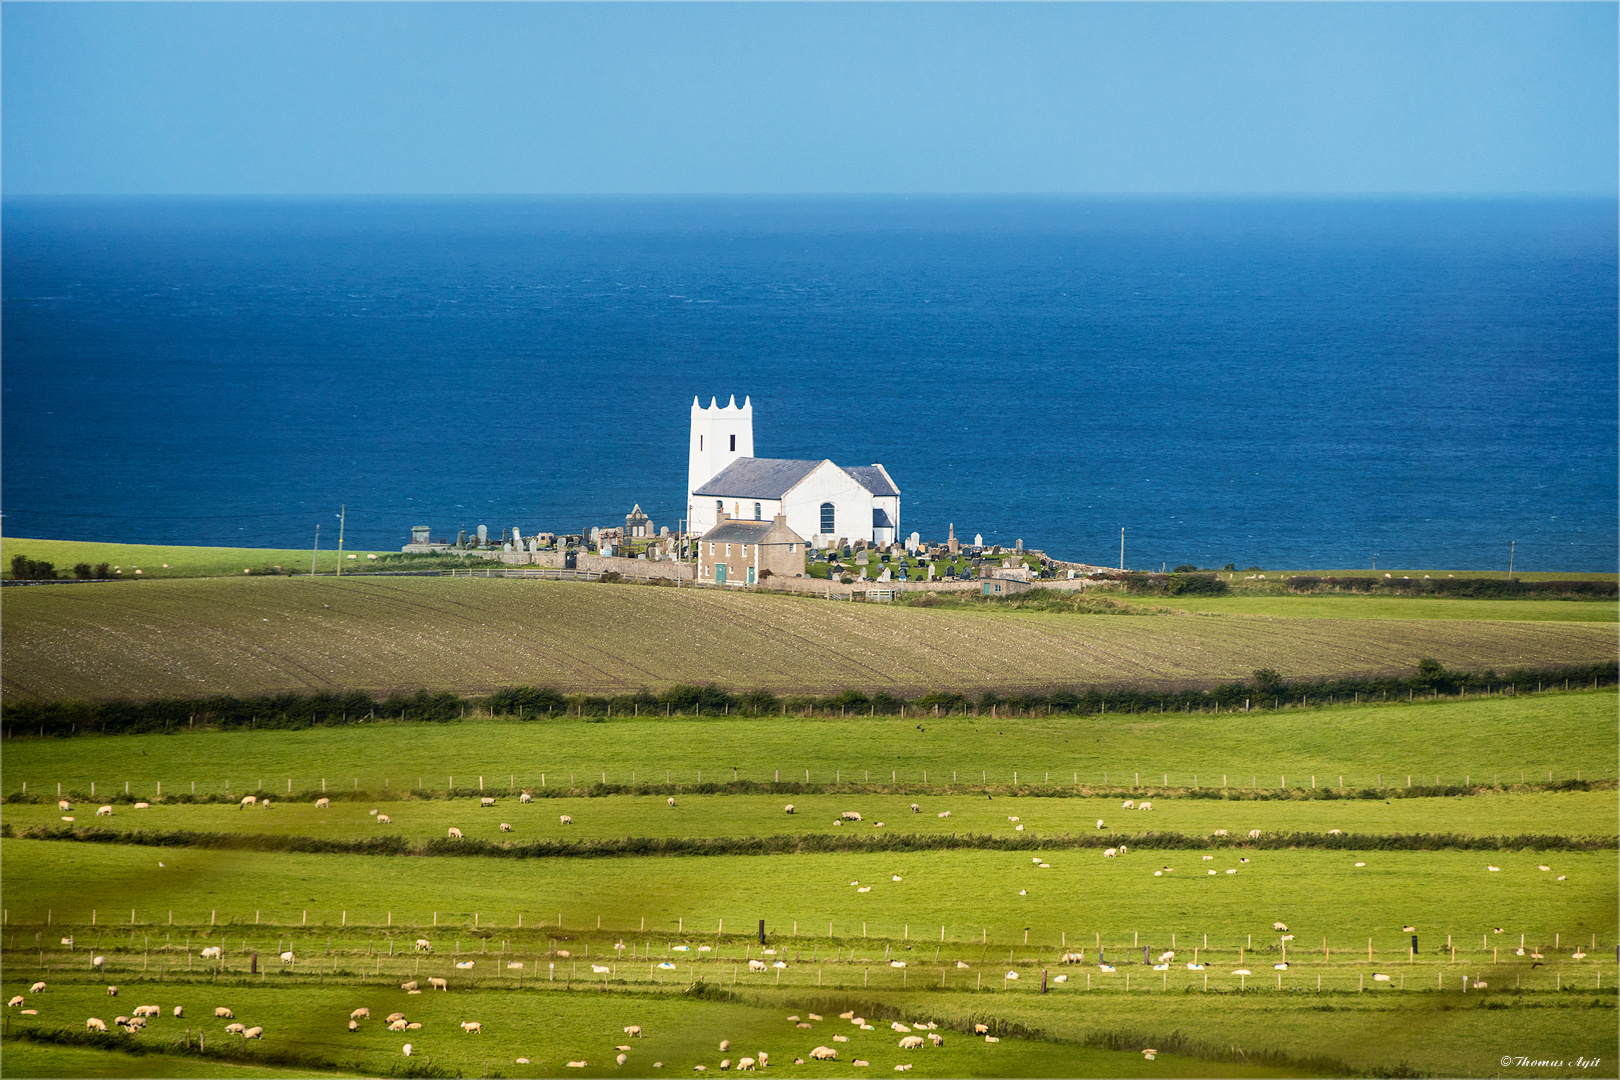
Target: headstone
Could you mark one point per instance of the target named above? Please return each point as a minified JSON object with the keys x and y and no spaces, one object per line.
{"x":517,"y":537}
{"x":461,"y":538}
{"x":886,"y":575}
{"x":663,"y":530}
{"x":483,"y":535}
{"x":978,"y":540}
{"x":507,"y":546}
{"x":596,"y":533}
{"x":1019,"y":546}
{"x":913,"y":542}
{"x":930,"y":571}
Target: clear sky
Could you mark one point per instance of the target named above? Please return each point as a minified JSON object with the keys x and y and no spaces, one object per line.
{"x":428,"y":98}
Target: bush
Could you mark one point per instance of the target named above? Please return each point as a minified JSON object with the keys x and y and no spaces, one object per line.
{"x":25,"y":569}
{"x":82,"y":571}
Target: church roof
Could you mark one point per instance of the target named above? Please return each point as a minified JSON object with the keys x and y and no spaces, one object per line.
{"x":873,"y":478}
{"x":757,"y":478}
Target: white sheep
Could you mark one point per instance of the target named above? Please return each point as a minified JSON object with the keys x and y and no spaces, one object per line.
{"x":248,"y":800}
{"x":1254,"y":834}
{"x":253,"y":1033}
{"x":1219,"y":832}
{"x":354,"y":1025}
{"x":1012,"y":817}
{"x":222,"y":1013}
{"x":147,"y":1010}
{"x":435,"y":983}
{"x":915,"y":809}
{"x":1279,"y":926}
{"x":322,"y":803}
{"x":1109,"y":853}
{"x":384,"y":819}
{"x":1100,"y":823}
{"x":63,"y":804}
{"x":506,"y":827}
{"x":235,"y":1029}
{"x":756,"y":965}
{"x":672,"y":800}
{"x":944,"y":813}
{"x":567,"y":819}
{"x":95,"y":1024}
{"x":486,"y":801}
{"x":1144,"y":806}
{"x":179,"y":1011}
{"x":621,"y":1059}
{"x":525,"y":798}
{"x":148,"y":806}
{"x":104,"y":811}
{"x":600,"y":969}
{"x":634,"y":1031}
{"x":472,"y":1027}
{"x":745,"y":1064}
{"x":362,"y":1013}
{"x":213,"y":952}
{"x":112,"y":991}
{"x":824,"y":1053}
{"x":911,"y":1042}
{"x":850,"y":815}
{"x":287,"y":957}
{"x":397,"y":1025}
{"x":454,"y":833}
{"x":1128,"y":804}
{"x":98,"y":961}
{"x":423,"y":945}
{"x":788,"y":808}
{"x":1335,"y":832}
{"x":407,"y":1050}
{"x":1072,"y":958}
{"x":939,"y":1040}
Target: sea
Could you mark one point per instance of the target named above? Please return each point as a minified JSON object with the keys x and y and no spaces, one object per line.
{"x":1304,"y":383}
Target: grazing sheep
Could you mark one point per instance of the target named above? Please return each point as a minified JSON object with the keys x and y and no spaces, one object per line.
{"x":944,"y":813}
{"x":455,"y":833}
{"x":1167,"y":956}
{"x":322,"y":804}
{"x":104,"y":811}
{"x":423,"y":945}
{"x":407,"y":1050}
{"x":567,"y":819}
{"x":98,"y":961}
{"x":438,"y":984}
{"x":223,"y":1013}
{"x":788,"y":808}
{"x":525,"y":798}
{"x":915,"y":809}
{"x":213,"y":952}
{"x":725,"y":1044}
{"x":1144,"y":806}
{"x":1128,"y":804}
{"x":725,"y":1064}
{"x":147,"y":1010}
{"x":911,"y":1042}
{"x":384,"y":819}
{"x":395,"y":1016}
{"x":756,"y":965}
{"x":362,"y":1013}
{"x":621,"y":1059}
{"x":1220,"y":832}
{"x":634,"y":1031}
{"x":824,"y":1053}
{"x":95,"y":1024}
{"x":1072,"y":958}
{"x":397,"y":1025}
{"x":409,"y":987}
{"x":354,"y":1025}
{"x":64,"y":805}
{"x":850,"y":815}
{"x":1012,"y":817}
{"x":939,"y":1040}
{"x":672,"y":800}
{"x":112,"y":991}
{"x":248,"y":800}
{"x":1254,"y":834}
{"x":472,"y":1027}
{"x":1109,"y":853}
{"x":486,"y":801}
{"x":179,"y":1011}
{"x":980,"y":1029}
{"x":235,"y":1029}
{"x":1279,"y":926}
{"x":1335,"y":832}
{"x":764,"y":1059}
{"x":506,"y":827}
{"x":253,"y":1033}
{"x":744,"y":1064}
{"x":287,"y":958}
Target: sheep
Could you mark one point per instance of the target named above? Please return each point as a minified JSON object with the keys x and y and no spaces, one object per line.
{"x":222,"y":1013}
{"x":764,"y":1059}
{"x":725,"y":1044}
{"x":104,"y":811}
{"x":911,"y":1042}
{"x":136,"y":1023}
{"x":756,"y":965}
{"x":1335,"y":832}
{"x":64,"y":805}
{"x":621,"y":1059}
{"x":1254,"y":834}
{"x":384,"y":819}
{"x":788,"y":808}
{"x":1144,"y":806}
{"x":112,"y":991}
{"x":148,"y":806}
{"x":354,"y":1025}
{"x":915,"y":809}
{"x":472,"y":1027}
{"x":486,"y":801}
{"x":1109,"y":853}
{"x":1100,"y":824}
{"x":213,"y":952}
{"x":362,"y":1013}
{"x":1018,"y":828}
{"x":395,"y":1016}
{"x":455,"y":833}
{"x":248,"y":800}
{"x":1167,"y":956}
{"x":506,"y":827}
{"x":850,"y":815}
{"x":1012,"y":817}
{"x":1072,"y":958}
{"x":992,"y":1039}
{"x":895,"y":1025}
{"x":423,"y":945}
{"x":567,"y":819}
{"x":98,"y":961}
{"x":235,"y":1029}
{"x":824,"y":1053}
{"x":980,"y":1029}
{"x":1128,"y":804}
{"x":253,"y":1033}
{"x":435,"y":983}
{"x":147,"y":1010}
{"x":902,"y":1068}
{"x":672,"y":800}
{"x":407,"y":1050}
{"x":179,"y":1011}
{"x":1377,"y":977}
{"x":95,"y":1024}
{"x":397,"y":1025}
{"x":322,"y":803}
{"x":939,"y":1040}
{"x":1279,"y":926}
{"x":745,"y":1064}
{"x":1220,"y":832}
{"x":409,"y":987}
{"x":725,"y":1064}
{"x":120,"y":1020}
{"x":287,"y":957}
{"x":944,"y":813}
{"x":525,"y":798}
{"x":1494,"y":869}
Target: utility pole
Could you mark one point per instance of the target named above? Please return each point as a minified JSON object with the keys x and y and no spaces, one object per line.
{"x":1511,"y":545}
{"x":343,"y":510}
{"x":315,"y":552}
{"x":1122,"y":550}
{"x":1375,"y":561}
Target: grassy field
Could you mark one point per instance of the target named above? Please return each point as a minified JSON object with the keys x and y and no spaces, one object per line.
{"x":177,"y":638}
{"x":1478,"y":738}
{"x":173,"y":560}
{"x":1388,"y":607}
{"x":1566,"y":813}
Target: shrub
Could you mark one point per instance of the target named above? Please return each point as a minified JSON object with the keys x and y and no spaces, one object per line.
{"x":25,"y":569}
{"x":82,"y":571}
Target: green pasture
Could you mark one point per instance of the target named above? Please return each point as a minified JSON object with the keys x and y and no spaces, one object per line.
{"x":977,"y":897}
{"x":552,"y":1028}
{"x":1483,"y":740}
{"x":1563,"y":813}
{"x":175,"y":560}
{"x":1388,"y":607}
{"x":25,"y":1059}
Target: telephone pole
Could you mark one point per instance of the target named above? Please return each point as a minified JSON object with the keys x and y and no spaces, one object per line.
{"x":1511,"y":545}
{"x":1122,"y":550}
{"x":316,"y":552}
{"x":343,"y":510}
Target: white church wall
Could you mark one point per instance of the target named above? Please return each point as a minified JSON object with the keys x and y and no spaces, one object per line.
{"x":719,"y":436}
{"x":852,"y":506}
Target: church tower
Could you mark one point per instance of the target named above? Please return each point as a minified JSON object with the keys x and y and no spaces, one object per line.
{"x":719,"y":437}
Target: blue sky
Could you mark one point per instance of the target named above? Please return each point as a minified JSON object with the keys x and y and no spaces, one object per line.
{"x":382,"y":98}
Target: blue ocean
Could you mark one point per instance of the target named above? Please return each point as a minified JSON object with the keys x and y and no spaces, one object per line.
{"x":1310,"y":383}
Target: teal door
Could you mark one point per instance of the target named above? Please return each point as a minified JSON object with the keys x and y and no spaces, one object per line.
{"x":750,"y":575}
{"x":720,"y":573}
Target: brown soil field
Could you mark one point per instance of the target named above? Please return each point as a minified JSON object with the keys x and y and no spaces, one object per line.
{"x":259,"y":635}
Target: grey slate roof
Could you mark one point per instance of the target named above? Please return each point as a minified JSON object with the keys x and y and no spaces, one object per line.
{"x":737,"y":532}
{"x":757,"y":478}
{"x":881,"y":519}
{"x":872,"y":479}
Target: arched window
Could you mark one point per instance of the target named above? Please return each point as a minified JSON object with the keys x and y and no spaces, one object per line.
{"x":828,"y":524}
{"x":756,"y":512}
{"x":719,"y":506}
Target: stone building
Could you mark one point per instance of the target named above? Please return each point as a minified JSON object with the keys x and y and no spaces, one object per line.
{"x":747,"y":552}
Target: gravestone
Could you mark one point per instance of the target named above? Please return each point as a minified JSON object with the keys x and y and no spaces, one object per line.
{"x":978,"y":540}
{"x":483,"y":535}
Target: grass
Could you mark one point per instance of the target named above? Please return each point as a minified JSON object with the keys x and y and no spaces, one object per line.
{"x":1570,"y":813}
{"x":257,"y":635}
{"x":1481,"y":738}
{"x":1389,"y":607}
{"x":174,"y":560}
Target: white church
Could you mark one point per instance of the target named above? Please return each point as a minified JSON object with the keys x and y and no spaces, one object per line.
{"x":822,"y":502}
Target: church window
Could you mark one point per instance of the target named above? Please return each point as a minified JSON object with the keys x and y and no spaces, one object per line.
{"x":756,"y":512}
{"x":827,"y":518}
{"x":734,"y":442}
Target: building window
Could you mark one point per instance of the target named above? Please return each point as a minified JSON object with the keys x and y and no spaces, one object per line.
{"x":711,"y":549}
{"x":828,"y":524}
{"x":719,"y":506}
{"x":728,"y":551}
{"x":756,"y":512}
{"x":734,"y":442}
{"x":745,"y":551}
{"x":792,"y":548}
